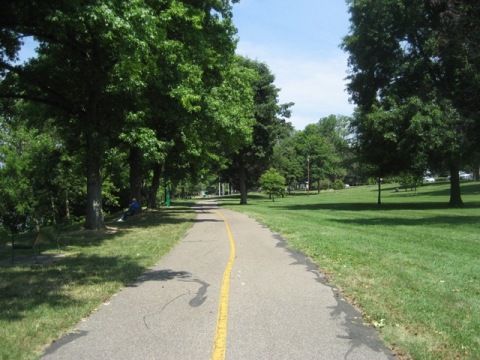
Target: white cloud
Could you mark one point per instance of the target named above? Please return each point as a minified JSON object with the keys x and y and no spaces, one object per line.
{"x":299,"y":41}
{"x":314,"y":83}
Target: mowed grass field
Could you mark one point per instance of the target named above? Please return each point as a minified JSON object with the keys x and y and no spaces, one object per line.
{"x":411,"y":265}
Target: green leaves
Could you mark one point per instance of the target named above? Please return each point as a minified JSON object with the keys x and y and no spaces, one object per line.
{"x":272,"y":183}
{"x":28,"y":175}
{"x":231,"y":106}
{"x":158,"y":76}
{"x":409,"y":63}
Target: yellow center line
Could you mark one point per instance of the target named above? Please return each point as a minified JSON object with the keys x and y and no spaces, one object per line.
{"x":220,"y":345}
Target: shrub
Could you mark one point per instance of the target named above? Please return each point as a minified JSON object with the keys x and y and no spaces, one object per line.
{"x":338,"y":185}
{"x":325,"y":184}
{"x":409,"y":181}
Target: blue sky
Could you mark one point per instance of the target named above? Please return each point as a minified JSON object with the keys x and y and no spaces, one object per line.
{"x":299,"y":41}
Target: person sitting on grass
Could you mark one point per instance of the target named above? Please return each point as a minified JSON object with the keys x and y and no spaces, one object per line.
{"x":132,"y":209}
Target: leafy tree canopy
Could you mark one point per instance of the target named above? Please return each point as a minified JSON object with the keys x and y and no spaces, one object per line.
{"x":401,"y":53}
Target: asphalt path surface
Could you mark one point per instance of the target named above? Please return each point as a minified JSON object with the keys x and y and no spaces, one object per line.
{"x":278,"y":304}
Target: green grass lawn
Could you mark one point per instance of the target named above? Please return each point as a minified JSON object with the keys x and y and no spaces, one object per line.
{"x":412,"y":265}
{"x":38,"y":303}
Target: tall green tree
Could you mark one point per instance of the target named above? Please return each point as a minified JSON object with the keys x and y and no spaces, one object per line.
{"x":325,"y":146}
{"x":89,"y":60}
{"x":221,"y":125}
{"x":334,"y":129}
{"x":199,"y":45}
{"x":32,"y":172}
{"x":287,"y":161}
{"x":457,"y":25}
{"x":395,"y":58}
{"x":314,"y":148}
{"x":270,"y":125}
{"x":458,"y":35}
{"x":94,"y":60}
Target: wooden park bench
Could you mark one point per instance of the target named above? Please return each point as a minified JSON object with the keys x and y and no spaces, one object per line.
{"x":46,"y":236}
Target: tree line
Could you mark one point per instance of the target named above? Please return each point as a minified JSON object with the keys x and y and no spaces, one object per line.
{"x":126,"y":98}
{"x":121,"y":98}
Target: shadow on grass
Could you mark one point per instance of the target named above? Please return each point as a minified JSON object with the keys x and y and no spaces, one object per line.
{"x":23,"y":289}
{"x":375,"y":207}
{"x":234,"y":200}
{"x":435,"y":220}
{"x":76,"y":236}
{"x":433,"y":189}
{"x":147,"y":218}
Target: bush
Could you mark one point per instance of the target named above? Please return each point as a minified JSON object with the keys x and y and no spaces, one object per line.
{"x":338,"y":185}
{"x":325,"y":184}
{"x":409,"y":181}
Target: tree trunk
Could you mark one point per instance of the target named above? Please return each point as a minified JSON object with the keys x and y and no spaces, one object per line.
{"x":67,"y":206}
{"x":94,"y":217}
{"x":379,"y":201}
{"x":243,"y":184}
{"x":136,"y":174}
{"x":455,"y":193}
{"x":152,"y":194}
{"x":54,"y":210}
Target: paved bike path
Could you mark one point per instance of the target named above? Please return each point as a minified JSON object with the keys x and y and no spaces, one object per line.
{"x":279,"y":306}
